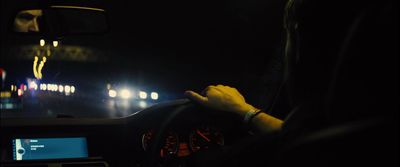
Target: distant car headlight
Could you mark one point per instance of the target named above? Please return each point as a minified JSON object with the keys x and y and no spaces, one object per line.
{"x":154,"y":95}
{"x":33,"y":85}
{"x":60,"y":88}
{"x":20,"y":92}
{"x":72,"y":89}
{"x":67,"y":89}
{"x":125,"y":94}
{"x":142,"y":95}
{"x":112,"y":93}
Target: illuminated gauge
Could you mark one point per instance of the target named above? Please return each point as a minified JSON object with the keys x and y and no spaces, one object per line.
{"x":205,"y":138}
{"x":147,"y":139}
{"x":170,"y":146}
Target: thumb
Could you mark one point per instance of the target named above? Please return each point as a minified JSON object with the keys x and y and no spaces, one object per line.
{"x":196,"y":97}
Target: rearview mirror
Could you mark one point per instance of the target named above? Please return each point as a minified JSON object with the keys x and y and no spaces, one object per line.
{"x":61,"y":21}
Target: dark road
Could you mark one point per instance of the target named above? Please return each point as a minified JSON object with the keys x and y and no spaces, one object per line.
{"x":74,"y":106}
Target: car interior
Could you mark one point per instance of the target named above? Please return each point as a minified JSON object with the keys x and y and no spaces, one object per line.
{"x":337,"y":94}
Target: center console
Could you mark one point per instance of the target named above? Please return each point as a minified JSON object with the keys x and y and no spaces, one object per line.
{"x":49,"y":152}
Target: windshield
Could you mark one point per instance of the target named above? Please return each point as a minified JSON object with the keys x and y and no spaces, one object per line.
{"x":150,"y":54}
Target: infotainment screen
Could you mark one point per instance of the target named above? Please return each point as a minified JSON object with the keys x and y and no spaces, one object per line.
{"x":49,"y":148}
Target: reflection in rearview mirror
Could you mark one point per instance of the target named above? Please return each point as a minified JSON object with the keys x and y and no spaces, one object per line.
{"x":61,"y":20}
{"x":27,"y":20}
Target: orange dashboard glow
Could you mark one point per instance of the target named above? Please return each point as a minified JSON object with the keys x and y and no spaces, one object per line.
{"x":183,"y":150}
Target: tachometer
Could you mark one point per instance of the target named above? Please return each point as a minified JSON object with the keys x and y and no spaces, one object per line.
{"x":205,"y":138}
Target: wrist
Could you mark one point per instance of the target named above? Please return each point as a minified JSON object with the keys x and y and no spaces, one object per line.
{"x":247,"y":110}
{"x":250,"y":115}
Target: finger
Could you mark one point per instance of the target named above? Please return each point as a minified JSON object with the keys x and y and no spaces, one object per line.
{"x":204,"y":92}
{"x":218,"y":89}
{"x":220,"y":86}
{"x":196,"y":97}
{"x":237,"y":92}
{"x":223,"y":87}
{"x":214,"y":92}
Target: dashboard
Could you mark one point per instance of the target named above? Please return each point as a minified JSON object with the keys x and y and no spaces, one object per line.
{"x":127,"y":141}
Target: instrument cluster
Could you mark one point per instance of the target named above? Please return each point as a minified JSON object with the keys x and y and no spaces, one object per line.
{"x":184,"y":144}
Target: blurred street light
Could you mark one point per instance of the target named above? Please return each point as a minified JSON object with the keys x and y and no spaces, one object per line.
{"x":154,"y":95}
{"x":42,"y":42}
{"x":125,"y":94}
{"x":142,"y":95}
{"x":55,"y":43}
{"x":112,"y":93}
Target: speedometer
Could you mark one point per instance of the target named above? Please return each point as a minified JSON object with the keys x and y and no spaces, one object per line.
{"x":205,"y":138}
{"x":170,"y":145}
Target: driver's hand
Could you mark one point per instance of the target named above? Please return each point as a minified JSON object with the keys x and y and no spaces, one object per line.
{"x":222,"y":98}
